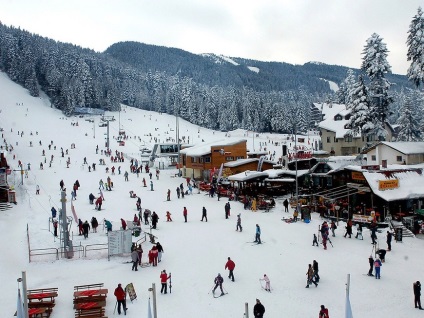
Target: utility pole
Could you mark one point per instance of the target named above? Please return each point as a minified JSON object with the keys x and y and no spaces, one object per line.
{"x":107,"y":119}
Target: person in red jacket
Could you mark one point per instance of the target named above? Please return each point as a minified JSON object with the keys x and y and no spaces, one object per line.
{"x":163,"y":280}
{"x":185,"y":214}
{"x":120,"y":298}
{"x":155,"y":254}
{"x":123,"y":224}
{"x":230,"y":265}
{"x":323,"y":313}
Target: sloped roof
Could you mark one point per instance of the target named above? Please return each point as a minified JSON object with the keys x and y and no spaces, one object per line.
{"x":328,"y":122}
{"x":204,"y":148}
{"x":247,"y":175}
{"x":405,"y":147}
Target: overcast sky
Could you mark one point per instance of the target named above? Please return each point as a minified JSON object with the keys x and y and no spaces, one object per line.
{"x":292,"y":31}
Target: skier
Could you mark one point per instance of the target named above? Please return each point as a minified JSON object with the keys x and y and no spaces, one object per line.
{"x":151,"y":185}
{"x":258,"y":234}
{"x":315,"y":267}
{"x":94,"y":224}
{"x":258,"y":309}
{"x":239,"y":223}
{"x":91,"y":198}
{"x":178,"y":192}
{"x":185,"y":214}
{"x":417,"y":294}
{"x":135,"y":260}
{"x":163,"y":280}
{"x":371,"y":261}
{"x":377,"y":265}
{"x":286,"y":205}
{"x":204,"y":214}
{"x":315,"y":241}
{"x":323,"y":313}
{"x":99,"y":202}
{"x":267,"y":283}
{"x":85,"y":229}
{"x":168,"y":216}
{"x":230,"y":265}
{"x":168,"y":195}
{"x":146,"y":215}
{"x":218,"y":282}
{"x":120,"y":295}
{"x":126,"y":176}
{"x":160,"y":251}
{"x":310,"y":275}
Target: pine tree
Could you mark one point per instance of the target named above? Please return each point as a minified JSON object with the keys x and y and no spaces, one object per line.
{"x":415,"y":53}
{"x":360,"y":121}
{"x":408,"y":120}
{"x":375,"y":65}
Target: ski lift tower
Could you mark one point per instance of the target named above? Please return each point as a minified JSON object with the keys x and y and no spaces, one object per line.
{"x":107,"y":119}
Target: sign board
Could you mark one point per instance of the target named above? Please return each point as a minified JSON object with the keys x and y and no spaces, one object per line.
{"x":131,"y":291}
{"x":388,"y":184}
{"x":362,"y":218}
{"x":357,"y":176}
{"x":371,"y":167}
{"x":119,"y":242}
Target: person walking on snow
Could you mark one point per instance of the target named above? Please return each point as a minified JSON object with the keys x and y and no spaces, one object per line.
{"x":151,"y":185}
{"x":371,"y":262}
{"x":230,"y":265}
{"x":323,"y":313}
{"x":267,"y":283}
{"x":163,"y":280}
{"x":239,"y":223}
{"x":310,"y":277}
{"x":185,"y":214}
{"x":258,"y":234}
{"x":417,"y":294}
{"x":389,"y":241}
{"x":204,"y":214}
{"x":258,"y":309}
{"x":134,"y":259}
{"x":286,"y":205}
{"x":333,"y":227}
{"x":85,"y":228}
{"x":120,"y":295}
{"x":160,"y":251}
{"x":316,"y":269}
{"x":218,"y":282}
{"x":377,"y":265}
{"x":315,"y":240}
{"x":123,"y":224}
{"x":168,"y":195}
{"x":168,"y":216}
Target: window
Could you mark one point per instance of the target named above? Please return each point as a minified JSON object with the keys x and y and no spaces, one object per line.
{"x":373,"y":158}
{"x":335,"y":139}
{"x":230,"y":158}
{"x":193,"y":159}
{"x":328,"y":140}
{"x":399,"y":158}
{"x":239,"y":157}
{"x":338,"y":117}
{"x":348,"y":138}
{"x":207,"y":159}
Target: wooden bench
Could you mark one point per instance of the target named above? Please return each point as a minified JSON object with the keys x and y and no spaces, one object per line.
{"x":91,"y":286}
{"x":42,"y":294}
{"x":91,"y":313}
{"x":41,"y":304}
{"x":92,"y":298}
{"x":89,"y":305}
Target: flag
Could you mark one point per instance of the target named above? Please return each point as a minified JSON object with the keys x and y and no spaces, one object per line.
{"x":19,"y":308}
{"x":149,"y":311}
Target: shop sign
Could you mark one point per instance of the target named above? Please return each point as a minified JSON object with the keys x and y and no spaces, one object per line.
{"x":388,"y":184}
{"x":371,"y":167}
{"x":357,"y":176}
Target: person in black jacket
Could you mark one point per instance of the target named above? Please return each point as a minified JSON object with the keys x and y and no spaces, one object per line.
{"x":160,"y":251}
{"x":389,"y":241}
{"x":371,"y":261}
{"x":258,"y":309}
{"x":417,"y":294}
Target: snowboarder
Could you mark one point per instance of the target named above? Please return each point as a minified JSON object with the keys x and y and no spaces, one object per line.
{"x":185,"y":214}
{"x":218,"y":282}
{"x":417,"y":294}
{"x":310,"y":277}
{"x":258,"y":234}
{"x":377,"y":265}
{"x":258,"y":309}
{"x":267,"y":283}
{"x":120,"y":295}
{"x":239,"y":223}
{"x":163,"y":280}
{"x":323,"y":313}
{"x":168,"y":216}
{"x":204,"y":216}
{"x":286,"y":205}
{"x":230,"y":265}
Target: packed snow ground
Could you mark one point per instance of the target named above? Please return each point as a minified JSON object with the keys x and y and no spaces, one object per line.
{"x":195,"y":252}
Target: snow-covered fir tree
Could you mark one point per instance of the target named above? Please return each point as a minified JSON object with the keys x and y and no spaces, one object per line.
{"x":360,"y":120}
{"x":415,"y":53}
{"x":409,"y":122}
{"x":375,"y":65}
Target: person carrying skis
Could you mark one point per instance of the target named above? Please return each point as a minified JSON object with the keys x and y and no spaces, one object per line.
{"x":204,"y":216}
{"x":218,"y":282}
{"x":230,"y":265}
{"x":323,"y":313}
{"x":267,"y":283}
{"x":120,"y":295}
{"x":163,"y":280}
{"x":258,"y":234}
{"x":258,"y":309}
{"x":239,"y":223}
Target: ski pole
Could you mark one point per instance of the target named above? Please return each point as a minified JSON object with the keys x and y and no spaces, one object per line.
{"x":211,"y":288}
{"x":116,"y":304}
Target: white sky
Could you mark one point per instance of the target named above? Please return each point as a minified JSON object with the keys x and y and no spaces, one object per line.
{"x":328,"y":31}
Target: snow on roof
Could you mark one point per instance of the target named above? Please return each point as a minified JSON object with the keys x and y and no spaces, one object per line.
{"x":410,"y":184}
{"x":239,"y":162}
{"x":406,"y":147}
{"x":280,"y":180}
{"x":337,"y":126}
{"x":253,"y":69}
{"x":205,"y":148}
{"x":247,"y":175}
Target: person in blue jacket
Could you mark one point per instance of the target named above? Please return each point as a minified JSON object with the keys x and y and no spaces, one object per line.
{"x":108,"y":225}
{"x":258,"y":234}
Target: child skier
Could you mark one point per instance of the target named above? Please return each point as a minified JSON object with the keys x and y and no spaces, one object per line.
{"x":315,"y":241}
{"x":267,"y":283}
